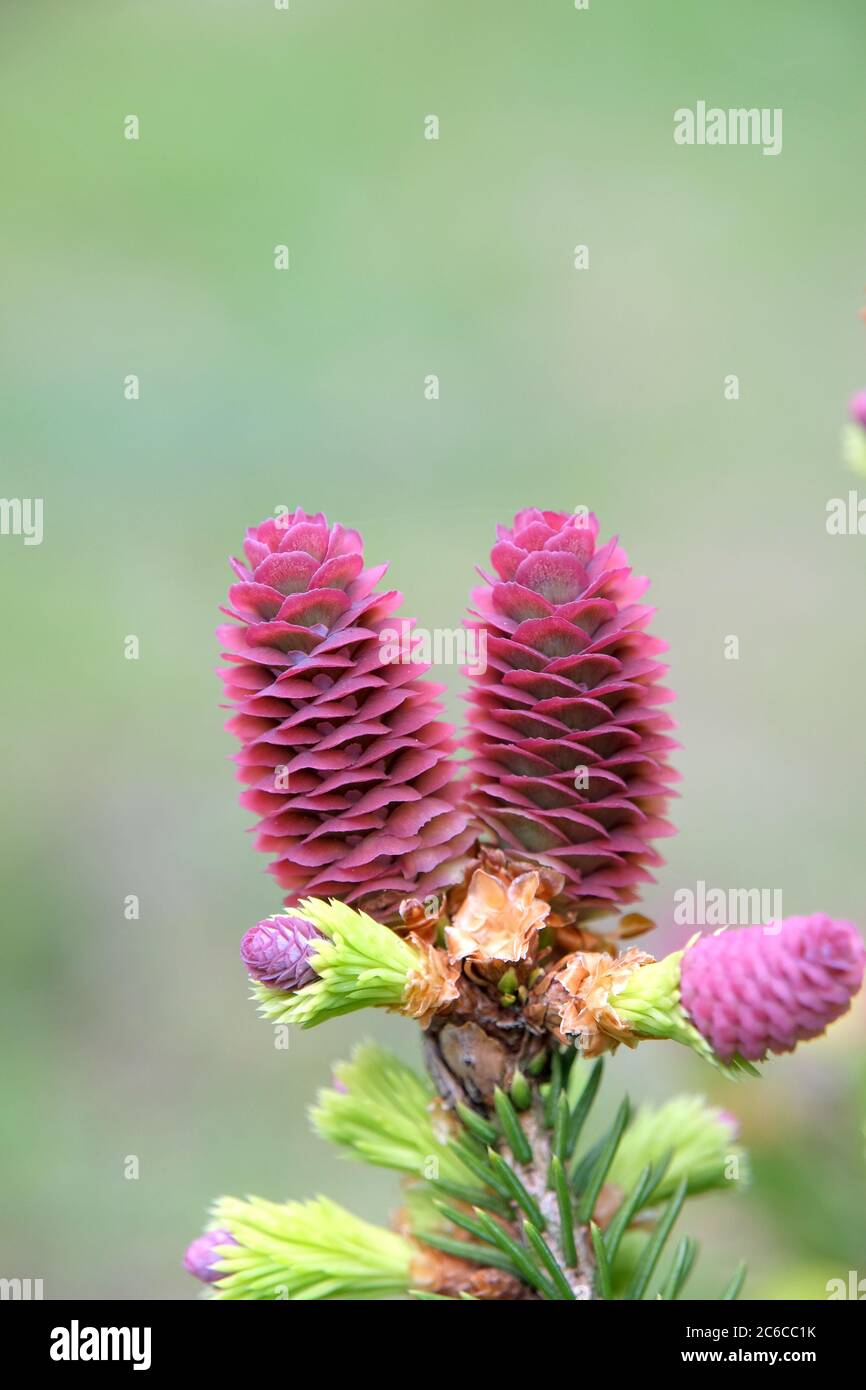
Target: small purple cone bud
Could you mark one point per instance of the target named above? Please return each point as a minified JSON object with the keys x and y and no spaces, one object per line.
{"x":202,"y":1254}
{"x":756,"y":990}
{"x":277,"y":952}
{"x":857,"y":409}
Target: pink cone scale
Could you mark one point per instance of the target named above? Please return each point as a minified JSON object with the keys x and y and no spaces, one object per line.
{"x":346,"y":760}
{"x":754,"y":990}
{"x":570,"y":746}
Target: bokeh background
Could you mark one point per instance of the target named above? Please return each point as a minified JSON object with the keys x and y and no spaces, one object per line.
{"x":261,"y":388}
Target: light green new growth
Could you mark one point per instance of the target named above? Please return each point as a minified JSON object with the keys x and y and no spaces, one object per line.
{"x":650,"y":1003}
{"x":360,"y":964}
{"x":698,"y":1140}
{"x":477,"y":1203}
{"x":422,"y":1213}
{"x":854,"y":447}
{"x":390,"y":1116}
{"x":307,"y":1250}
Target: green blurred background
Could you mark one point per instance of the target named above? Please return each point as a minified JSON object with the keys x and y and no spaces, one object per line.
{"x":262,"y":388}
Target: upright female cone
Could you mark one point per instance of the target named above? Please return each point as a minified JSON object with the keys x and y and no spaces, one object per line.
{"x":347,"y":763}
{"x":570,"y":746}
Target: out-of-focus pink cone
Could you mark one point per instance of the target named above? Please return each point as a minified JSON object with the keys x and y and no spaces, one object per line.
{"x":346,"y":760}
{"x":755,"y":990}
{"x":857,"y":408}
{"x":569,"y":744}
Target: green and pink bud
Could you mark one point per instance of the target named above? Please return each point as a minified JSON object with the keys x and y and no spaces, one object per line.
{"x":696,"y":1141}
{"x":205,"y":1254}
{"x":277,"y":952}
{"x":739,"y":994}
{"x":339,"y":960}
{"x":300,"y":1250}
{"x":854,"y":434}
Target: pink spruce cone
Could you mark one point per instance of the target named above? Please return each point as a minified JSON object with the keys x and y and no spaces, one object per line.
{"x":755,"y":990}
{"x":346,"y":760}
{"x":572,"y":682}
